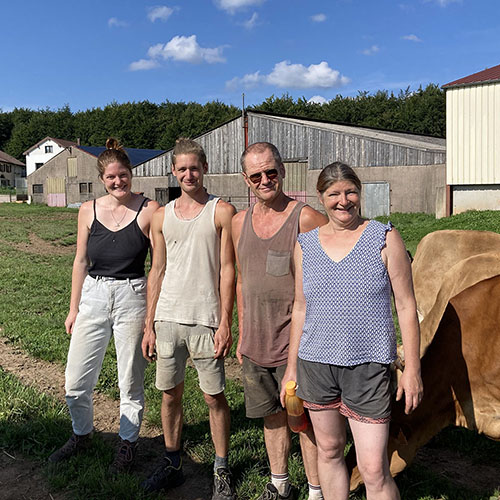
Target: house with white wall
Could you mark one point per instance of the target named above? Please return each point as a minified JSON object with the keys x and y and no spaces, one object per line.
{"x":473,"y":142}
{"x":43,"y":151}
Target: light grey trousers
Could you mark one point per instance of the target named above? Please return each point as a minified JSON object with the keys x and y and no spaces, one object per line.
{"x":108,"y":307}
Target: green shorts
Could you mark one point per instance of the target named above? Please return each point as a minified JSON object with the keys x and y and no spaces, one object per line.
{"x":175,"y":342}
{"x":262,"y":387}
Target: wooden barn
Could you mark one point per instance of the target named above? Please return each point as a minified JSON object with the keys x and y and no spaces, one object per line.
{"x":473,"y":141}
{"x":400,"y":172}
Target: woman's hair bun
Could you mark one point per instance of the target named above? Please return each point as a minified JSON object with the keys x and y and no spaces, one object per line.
{"x":112,"y":143}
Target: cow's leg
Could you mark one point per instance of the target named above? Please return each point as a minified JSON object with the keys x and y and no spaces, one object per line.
{"x":330,"y":433}
{"x":370,"y":440}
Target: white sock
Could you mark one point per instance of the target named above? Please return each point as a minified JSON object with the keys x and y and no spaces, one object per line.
{"x":315,"y":492}
{"x":281,"y":483}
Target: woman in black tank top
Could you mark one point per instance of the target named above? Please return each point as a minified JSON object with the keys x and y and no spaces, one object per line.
{"x":108,"y":297}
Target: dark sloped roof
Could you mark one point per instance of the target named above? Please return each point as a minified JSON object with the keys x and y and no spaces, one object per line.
{"x":136,"y":156}
{"x":62,"y":142}
{"x":10,"y":159}
{"x":485,"y":76}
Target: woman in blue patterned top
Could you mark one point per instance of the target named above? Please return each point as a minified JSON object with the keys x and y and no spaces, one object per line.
{"x":343,"y":338}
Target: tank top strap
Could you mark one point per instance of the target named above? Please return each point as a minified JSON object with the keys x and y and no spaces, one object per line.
{"x":95,"y":212}
{"x":140,"y":208}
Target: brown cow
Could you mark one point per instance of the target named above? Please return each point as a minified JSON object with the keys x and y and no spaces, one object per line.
{"x":456,"y":276}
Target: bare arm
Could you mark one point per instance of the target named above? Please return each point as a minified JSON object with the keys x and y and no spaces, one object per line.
{"x":399,"y":269}
{"x":297,"y":325}
{"x":237,"y":224}
{"x":223,"y":338}
{"x":311,"y":219}
{"x":80,"y":263}
{"x":155,"y":279}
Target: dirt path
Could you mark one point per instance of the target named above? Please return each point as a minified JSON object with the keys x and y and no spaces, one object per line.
{"x":21,"y":479}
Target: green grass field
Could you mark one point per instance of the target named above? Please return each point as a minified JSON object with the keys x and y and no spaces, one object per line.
{"x":34,"y":296}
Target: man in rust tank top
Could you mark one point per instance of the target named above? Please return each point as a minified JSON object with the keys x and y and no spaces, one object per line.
{"x":264,"y":237}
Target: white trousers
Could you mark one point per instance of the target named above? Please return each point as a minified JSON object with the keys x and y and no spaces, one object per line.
{"x":108,"y":307}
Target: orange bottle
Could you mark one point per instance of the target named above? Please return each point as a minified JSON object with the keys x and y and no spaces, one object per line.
{"x":297,"y":419}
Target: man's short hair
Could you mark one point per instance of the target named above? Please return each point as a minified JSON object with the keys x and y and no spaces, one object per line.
{"x":185,"y":146}
{"x":260,"y":147}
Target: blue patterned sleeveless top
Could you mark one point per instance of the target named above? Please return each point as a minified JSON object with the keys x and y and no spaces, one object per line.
{"x":348,"y":303}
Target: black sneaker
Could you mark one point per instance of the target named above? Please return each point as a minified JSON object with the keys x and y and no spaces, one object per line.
{"x":74,"y":445}
{"x":271,"y":493}
{"x":223,"y":485}
{"x":124,"y":458}
{"x":165,"y":476}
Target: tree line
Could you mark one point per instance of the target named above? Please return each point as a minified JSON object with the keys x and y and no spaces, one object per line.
{"x":156,"y":126}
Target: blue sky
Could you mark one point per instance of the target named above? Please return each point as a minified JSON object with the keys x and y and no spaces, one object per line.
{"x":87,"y":54}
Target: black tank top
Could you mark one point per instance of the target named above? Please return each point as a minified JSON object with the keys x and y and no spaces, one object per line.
{"x":117,"y":254}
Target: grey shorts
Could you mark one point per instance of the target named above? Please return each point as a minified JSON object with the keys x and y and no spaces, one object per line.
{"x":262,"y":389}
{"x":361,"y":392}
{"x":176,"y":342}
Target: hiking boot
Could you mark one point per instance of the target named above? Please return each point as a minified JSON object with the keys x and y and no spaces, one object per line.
{"x":271,"y":493}
{"x":74,"y":445}
{"x":124,"y":458}
{"x":165,"y":476}
{"x":223,"y":485}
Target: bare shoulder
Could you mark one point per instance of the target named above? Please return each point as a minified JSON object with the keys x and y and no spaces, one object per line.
{"x":238,"y":219}
{"x":151,"y":205}
{"x":311,"y":219}
{"x":393,"y":239}
{"x":224,"y":208}
{"x":86,"y":212}
{"x":224,"y":212}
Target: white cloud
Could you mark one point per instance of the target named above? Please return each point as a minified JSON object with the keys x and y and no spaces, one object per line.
{"x":318,"y":18}
{"x":161,"y":12}
{"x":444,"y":3}
{"x":412,"y":38}
{"x":371,"y":50}
{"x":113,"y":22}
{"x":186,"y":49}
{"x":317,"y":99}
{"x":250,"y":23}
{"x":143,"y":64}
{"x":232,"y":6}
{"x":286,"y":75}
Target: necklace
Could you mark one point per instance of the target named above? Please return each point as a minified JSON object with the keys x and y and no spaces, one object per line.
{"x":118,"y":222}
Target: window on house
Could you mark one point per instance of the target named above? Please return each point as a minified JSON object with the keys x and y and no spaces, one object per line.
{"x":38,"y":165}
{"x":37,"y":188}
{"x":85,"y":187}
{"x":48,"y":149}
{"x":2,"y":168}
{"x":8,"y":168}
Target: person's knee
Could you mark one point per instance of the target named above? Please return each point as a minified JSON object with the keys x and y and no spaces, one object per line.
{"x":373,"y":474}
{"x":216,"y":402}
{"x":172,"y":397}
{"x":333,"y":449}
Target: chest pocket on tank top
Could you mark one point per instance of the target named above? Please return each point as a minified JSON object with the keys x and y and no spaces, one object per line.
{"x":278,"y":263}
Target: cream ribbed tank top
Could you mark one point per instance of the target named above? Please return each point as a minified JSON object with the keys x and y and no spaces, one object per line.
{"x":190,"y":288}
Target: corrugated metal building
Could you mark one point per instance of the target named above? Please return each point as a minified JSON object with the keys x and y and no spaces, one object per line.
{"x":473,"y":141}
{"x":400,"y":172}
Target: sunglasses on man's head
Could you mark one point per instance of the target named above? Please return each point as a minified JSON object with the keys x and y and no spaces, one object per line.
{"x":271,"y":174}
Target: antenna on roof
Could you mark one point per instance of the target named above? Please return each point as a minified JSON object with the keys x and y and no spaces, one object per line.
{"x":243,"y":104}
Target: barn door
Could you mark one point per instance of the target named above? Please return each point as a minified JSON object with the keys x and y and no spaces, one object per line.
{"x":375,"y":199}
{"x":56,"y":192}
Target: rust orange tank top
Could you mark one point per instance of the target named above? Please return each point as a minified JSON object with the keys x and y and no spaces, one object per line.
{"x":268,"y":281}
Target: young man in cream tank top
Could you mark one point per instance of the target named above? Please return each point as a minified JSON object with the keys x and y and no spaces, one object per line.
{"x":264,"y":238}
{"x":189,"y":312}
